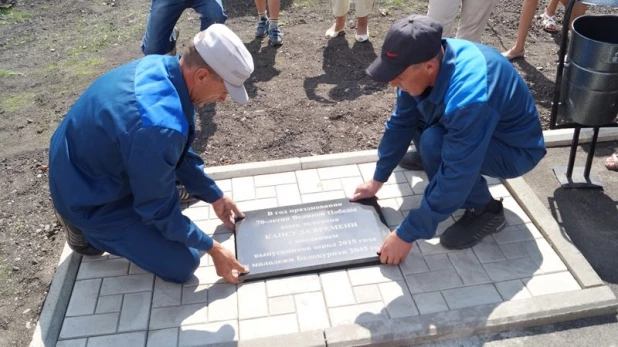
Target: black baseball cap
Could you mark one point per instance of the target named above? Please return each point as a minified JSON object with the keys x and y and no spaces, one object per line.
{"x":409,"y":41}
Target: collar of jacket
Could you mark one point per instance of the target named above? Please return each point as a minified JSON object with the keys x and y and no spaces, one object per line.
{"x":438,"y":92}
{"x":175,"y":73}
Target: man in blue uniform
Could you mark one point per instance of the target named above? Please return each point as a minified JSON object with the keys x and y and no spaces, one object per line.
{"x":116,"y":156}
{"x":470,"y":113}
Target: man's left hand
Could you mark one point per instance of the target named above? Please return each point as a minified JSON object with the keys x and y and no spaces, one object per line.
{"x":227,"y":211}
{"x":394,"y":250}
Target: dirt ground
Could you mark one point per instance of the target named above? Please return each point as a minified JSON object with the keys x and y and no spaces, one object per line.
{"x":309,"y":97}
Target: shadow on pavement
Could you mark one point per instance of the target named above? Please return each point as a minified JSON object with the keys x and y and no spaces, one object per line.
{"x":464,"y":279}
{"x":589,"y":218}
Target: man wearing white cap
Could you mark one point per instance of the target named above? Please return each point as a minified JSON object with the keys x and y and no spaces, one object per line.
{"x":116,"y":156}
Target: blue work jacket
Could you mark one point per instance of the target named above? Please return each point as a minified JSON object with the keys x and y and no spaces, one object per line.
{"x":478,"y":97}
{"x":115,"y":158}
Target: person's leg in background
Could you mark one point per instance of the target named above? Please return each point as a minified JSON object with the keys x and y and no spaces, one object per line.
{"x":579,"y":9}
{"x":274,"y":33}
{"x":340,"y":10}
{"x":269,"y":25}
{"x":445,"y":12}
{"x":211,"y":12}
{"x":159,"y":38}
{"x":525,"y":21}
{"x":363,"y":9}
{"x":263,"y":24}
{"x":473,"y":19}
{"x":548,"y":17}
{"x":170,"y":260}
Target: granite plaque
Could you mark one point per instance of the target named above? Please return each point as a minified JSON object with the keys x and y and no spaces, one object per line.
{"x":306,"y":238}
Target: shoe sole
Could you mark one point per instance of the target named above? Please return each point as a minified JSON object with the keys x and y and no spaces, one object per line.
{"x":412,"y":167}
{"x":472,"y":244}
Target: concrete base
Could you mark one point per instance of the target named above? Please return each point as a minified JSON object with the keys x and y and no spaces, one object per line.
{"x":577,"y":179}
{"x":592,"y":299}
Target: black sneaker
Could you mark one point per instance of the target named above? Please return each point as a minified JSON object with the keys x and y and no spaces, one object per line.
{"x":75,"y":238}
{"x":412,"y":161}
{"x":474,"y":225}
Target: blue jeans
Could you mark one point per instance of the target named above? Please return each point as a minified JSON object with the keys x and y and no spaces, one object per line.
{"x":144,"y":246}
{"x":501,"y":161}
{"x":163,"y":17}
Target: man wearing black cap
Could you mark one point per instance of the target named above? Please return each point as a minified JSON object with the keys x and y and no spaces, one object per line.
{"x":470,"y":113}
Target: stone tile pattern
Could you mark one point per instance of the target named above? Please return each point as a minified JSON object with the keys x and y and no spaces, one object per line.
{"x":115,"y":302}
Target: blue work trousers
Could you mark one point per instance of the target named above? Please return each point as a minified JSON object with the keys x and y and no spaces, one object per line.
{"x":163,"y":16}
{"x":148,"y":249}
{"x":501,"y":161}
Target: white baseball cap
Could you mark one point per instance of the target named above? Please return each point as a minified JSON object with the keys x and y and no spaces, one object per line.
{"x":227,"y":55}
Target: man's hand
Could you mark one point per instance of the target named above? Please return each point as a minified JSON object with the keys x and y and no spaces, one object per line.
{"x":226,"y":210}
{"x":367,"y":190}
{"x":226,"y":264}
{"x":394,"y":250}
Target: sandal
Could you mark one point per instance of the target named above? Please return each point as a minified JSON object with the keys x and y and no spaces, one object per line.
{"x":549,"y":23}
{"x":332,"y":33}
{"x":611,"y":163}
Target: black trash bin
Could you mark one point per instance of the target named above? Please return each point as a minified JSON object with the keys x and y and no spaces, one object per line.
{"x":589,"y":92}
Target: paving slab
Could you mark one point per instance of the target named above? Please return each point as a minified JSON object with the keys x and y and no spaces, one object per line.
{"x":520,"y":277}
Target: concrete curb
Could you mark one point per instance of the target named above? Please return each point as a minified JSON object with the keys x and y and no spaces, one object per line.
{"x":547,"y":225}
{"x":553,"y":138}
{"x":516,"y":314}
{"x":313,"y":338}
{"x":50,"y":321}
{"x":564,"y":137}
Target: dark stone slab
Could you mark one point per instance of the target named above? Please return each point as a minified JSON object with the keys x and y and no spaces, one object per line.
{"x":306,"y":238}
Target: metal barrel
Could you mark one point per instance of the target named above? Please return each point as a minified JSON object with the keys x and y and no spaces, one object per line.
{"x":590,"y":85}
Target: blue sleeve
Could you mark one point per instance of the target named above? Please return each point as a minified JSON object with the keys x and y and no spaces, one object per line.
{"x":151,"y":165}
{"x":398,"y":134}
{"x":192,"y":175}
{"x":468,"y":133}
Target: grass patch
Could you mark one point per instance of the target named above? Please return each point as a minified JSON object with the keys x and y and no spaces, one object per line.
{"x":75,"y":66}
{"x":9,"y":73}
{"x":103,"y":38}
{"x":395,"y":2}
{"x":18,"y":101}
{"x":106,"y":36}
{"x":19,"y":41}
{"x":10,"y":16}
{"x":86,"y":67}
